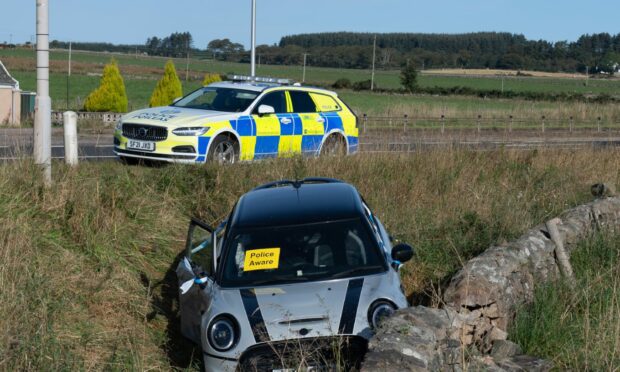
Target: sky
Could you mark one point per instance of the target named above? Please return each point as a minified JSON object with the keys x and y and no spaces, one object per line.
{"x":133,"y":21}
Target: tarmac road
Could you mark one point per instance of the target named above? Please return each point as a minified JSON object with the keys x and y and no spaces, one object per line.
{"x":16,"y":143}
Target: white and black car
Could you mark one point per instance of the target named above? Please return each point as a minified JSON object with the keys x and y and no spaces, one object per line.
{"x":297,"y":276}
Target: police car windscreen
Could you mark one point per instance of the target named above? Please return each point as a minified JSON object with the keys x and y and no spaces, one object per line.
{"x":310,"y":252}
{"x":218,"y":99}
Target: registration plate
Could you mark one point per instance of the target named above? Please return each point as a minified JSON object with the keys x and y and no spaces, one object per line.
{"x":141,"y":145}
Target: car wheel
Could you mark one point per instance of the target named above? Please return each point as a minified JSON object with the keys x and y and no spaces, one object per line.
{"x":224,"y":150}
{"x":334,"y":145}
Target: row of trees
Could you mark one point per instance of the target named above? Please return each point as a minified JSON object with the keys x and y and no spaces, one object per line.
{"x":110,"y":96}
{"x":597,"y":52}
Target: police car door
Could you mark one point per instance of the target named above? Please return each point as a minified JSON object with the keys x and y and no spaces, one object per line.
{"x":309,"y":125}
{"x":194,"y":274}
{"x":270,"y":128}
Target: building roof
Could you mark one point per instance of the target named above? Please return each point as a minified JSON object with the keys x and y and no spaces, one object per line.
{"x":6,"y":78}
{"x":297,"y":204}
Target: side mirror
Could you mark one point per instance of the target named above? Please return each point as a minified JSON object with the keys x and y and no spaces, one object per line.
{"x":176,"y":100}
{"x":199,"y":246}
{"x":265,"y":110}
{"x":402,"y":252}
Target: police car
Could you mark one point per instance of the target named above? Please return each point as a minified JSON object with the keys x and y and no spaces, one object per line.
{"x":243,"y":119}
{"x":295,"y":278}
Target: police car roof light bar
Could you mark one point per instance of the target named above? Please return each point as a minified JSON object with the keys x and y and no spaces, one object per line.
{"x":259,"y":79}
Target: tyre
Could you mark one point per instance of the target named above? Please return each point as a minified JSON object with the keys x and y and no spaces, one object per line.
{"x":224,"y":150}
{"x":334,"y":145}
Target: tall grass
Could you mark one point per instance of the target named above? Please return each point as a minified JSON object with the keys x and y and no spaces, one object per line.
{"x":87,"y":276}
{"x":579,"y":329}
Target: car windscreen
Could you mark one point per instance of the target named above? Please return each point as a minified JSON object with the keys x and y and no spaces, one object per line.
{"x":310,"y":252}
{"x":218,"y":99}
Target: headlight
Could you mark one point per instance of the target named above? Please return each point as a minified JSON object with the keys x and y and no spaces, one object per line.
{"x":378,"y":311}
{"x":191,"y":131}
{"x":223,"y":333}
{"x":119,"y":125}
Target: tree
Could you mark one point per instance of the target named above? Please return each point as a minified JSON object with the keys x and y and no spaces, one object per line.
{"x":409,"y":77}
{"x":211,"y":78}
{"x":168,"y":87}
{"x":110,"y":95}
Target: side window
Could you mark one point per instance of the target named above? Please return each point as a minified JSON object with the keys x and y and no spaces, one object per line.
{"x":199,"y":247}
{"x":277,"y":100}
{"x":302,"y":102}
{"x":325,"y":103}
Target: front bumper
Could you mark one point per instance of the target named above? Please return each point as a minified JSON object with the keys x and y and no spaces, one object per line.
{"x":174,"y":149}
{"x":318,"y":353}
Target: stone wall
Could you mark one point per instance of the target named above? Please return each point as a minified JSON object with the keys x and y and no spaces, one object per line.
{"x":470,"y":330}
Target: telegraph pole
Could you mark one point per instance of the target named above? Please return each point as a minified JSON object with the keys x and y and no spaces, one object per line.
{"x":187,"y":60}
{"x":372,"y":76}
{"x":43,"y":103}
{"x":68,"y":75}
{"x":303,"y":76}
{"x":253,"y":56}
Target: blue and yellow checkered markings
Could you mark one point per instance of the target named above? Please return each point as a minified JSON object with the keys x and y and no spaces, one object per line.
{"x":332,"y":121}
{"x":353,"y":144}
{"x":203,"y":144}
{"x":245,"y":126}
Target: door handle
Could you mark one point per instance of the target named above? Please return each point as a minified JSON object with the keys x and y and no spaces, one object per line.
{"x":320,"y":120}
{"x":285,"y":121}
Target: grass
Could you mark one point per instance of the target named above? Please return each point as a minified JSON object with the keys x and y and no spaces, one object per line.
{"x":87,"y":280}
{"x":578,"y":329}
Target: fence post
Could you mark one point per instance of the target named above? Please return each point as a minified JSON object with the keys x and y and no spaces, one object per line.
{"x":570,"y":124}
{"x":443,"y":123}
{"x":598,"y":125}
{"x":479,"y":117}
{"x":365,"y":120}
{"x":510,"y":124}
{"x":405,"y":123}
{"x":71,"y":145}
{"x":543,"y":123}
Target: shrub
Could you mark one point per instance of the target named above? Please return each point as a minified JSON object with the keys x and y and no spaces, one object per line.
{"x":409,"y":77}
{"x":211,"y":78}
{"x":110,"y":95}
{"x":342,"y":83}
{"x":168,"y":87}
{"x":362,"y":85}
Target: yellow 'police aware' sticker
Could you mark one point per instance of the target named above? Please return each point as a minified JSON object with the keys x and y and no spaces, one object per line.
{"x":261,"y":259}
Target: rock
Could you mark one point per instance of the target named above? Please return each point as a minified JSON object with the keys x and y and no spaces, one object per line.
{"x":503,"y":349}
{"x":497,"y":334}
{"x":525,"y":363}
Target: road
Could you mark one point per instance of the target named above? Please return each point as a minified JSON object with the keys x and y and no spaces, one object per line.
{"x":16,"y":143}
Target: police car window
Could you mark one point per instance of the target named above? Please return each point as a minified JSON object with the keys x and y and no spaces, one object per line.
{"x":218,"y":99}
{"x":277,"y":100}
{"x":309,"y":252}
{"x":302,"y":102}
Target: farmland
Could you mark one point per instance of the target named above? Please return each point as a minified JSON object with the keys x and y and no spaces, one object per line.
{"x":141,"y":73}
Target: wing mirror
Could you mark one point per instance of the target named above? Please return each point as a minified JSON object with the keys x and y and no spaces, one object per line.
{"x":402,"y":252}
{"x":176,"y":100}
{"x":265,"y":110}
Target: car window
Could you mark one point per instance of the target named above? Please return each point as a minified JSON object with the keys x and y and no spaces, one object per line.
{"x":325,"y":103}
{"x":302,"y":102}
{"x":277,"y":100}
{"x":218,"y":99}
{"x":287,"y":254}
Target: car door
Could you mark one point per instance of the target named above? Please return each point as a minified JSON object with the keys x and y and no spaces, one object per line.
{"x":194,"y":274}
{"x":309,"y":125}
{"x":271,"y":128}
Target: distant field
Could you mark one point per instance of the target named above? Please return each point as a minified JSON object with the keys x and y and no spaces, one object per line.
{"x":141,"y":74}
{"x":479,"y":79}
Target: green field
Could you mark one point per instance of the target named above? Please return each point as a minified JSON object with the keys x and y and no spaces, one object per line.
{"x":384,"y":79}
{"x":146,"y":70}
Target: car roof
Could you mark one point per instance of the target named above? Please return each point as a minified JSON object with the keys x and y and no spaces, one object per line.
{"x":259,"y":87}
{"x":291,"y":203}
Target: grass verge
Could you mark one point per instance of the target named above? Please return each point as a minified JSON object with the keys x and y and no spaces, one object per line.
{"x":87,"y":277}
{"x":579,"y":329}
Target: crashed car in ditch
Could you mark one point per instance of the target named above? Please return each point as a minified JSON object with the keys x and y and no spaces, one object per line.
{"x":295,"y":278}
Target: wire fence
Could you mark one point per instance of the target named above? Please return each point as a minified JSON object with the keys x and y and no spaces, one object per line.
{"x":407,"y":133}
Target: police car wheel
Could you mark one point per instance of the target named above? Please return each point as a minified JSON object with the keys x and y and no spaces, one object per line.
{"x":334,"y":145}
{"x":224,"y":150}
